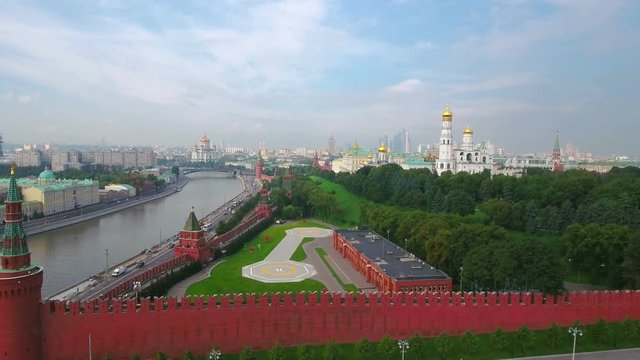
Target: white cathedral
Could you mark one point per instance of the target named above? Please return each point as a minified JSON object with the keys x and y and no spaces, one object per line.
{"x":466,"y":156}
{"x":203,"y":152}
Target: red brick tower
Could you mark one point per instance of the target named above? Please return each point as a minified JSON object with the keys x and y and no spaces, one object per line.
{"x":20,"y":287}
{"x":263,"y":208}
{"x":286,"y":182}
{"x":191,"y":241}
{"x":259,"y":168}
{"x":556,"y":157}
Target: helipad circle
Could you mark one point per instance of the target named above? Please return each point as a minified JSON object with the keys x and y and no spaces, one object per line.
{"x":310,"y":232}
{"x":276,"y":269}
{"x":279,"y":271}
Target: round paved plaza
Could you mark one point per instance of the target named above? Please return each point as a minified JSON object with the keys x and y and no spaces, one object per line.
{"x":279,"y":271}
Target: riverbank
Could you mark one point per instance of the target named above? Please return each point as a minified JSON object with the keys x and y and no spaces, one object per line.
{"x":61,"y":220}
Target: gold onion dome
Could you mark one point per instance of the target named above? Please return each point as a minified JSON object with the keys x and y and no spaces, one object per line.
{"x":447,"y":112}
{"x":204,"y":138}
{"x":382,"y":148}
{"x":468,"y":131}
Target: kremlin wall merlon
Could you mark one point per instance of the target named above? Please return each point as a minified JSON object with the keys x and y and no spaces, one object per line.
{"x":123,"y":328}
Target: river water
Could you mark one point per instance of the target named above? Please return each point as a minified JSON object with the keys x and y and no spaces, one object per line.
{"x":74,"y":253}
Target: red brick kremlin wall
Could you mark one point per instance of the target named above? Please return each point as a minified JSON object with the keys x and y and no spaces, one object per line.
{"x":122,"y":328}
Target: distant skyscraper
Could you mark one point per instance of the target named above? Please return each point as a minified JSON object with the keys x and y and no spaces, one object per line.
{"x":331,"y":147}
{"x":1,"y":153}
{"x":406,"y":142}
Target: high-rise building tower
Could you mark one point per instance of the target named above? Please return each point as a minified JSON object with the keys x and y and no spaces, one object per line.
{"x":445,"y":157}
{"x":20,"y":284}
{"x":331,"y":147}
{"x":556,"y":156}
{"x":1,"y":153}
{"x":406,"y":142}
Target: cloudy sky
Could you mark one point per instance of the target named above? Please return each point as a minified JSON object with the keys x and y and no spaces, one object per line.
{"x":293,"y":72}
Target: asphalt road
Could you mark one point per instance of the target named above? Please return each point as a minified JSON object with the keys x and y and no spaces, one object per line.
{"x":102,"y":283}
{"x":624,"y":354}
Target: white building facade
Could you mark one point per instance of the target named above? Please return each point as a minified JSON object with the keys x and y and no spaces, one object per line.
{"x":203,"y":151}
{"x":467,"y":157}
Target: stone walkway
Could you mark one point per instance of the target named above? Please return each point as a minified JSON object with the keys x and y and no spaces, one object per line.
{"x":276,"y":267}
{"x":180,"y":288}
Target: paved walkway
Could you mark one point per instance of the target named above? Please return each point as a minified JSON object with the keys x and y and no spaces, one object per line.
{"x":180,"y":288}
{"x":623,"y":354}
{"x":344,"y":269}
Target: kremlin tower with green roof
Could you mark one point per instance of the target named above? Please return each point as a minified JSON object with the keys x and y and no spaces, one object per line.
{"x":20,"y":286}
{"x":192,"y":242}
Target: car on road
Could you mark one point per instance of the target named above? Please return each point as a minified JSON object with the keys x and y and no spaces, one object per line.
{"x":119,"y":271}
{"x":139,"y":264}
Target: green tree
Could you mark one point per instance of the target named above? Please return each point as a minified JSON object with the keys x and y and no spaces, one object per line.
{"x":305,"y":352}
{"x":189,"y":356}
{"x":499,"y":341}
{"x":443,"y":345}
{"x":276,"y":352}
{"x":416,"y":345}
{"x":525,"y":338}
{"x":601,"y":332}
{"x":363,"y":349}
{"x":630,"y":329}
{"x":386,"y":347}
{"x":176,"y":171}
{"x":136,"y":357}
{"x":470,"y":343}
{"x":553,"y":336}
{"x":247,"y":354}
{"x":160,"y":356}
{"x":331,"y":351}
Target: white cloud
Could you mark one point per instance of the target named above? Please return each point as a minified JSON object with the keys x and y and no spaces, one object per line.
{"x":406,"y":86}
{"x":425,"y":45}
{"x":23,"y":99}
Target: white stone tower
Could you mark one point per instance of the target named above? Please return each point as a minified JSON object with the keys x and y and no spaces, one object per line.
{"x":383,"y":155}
{"x":445,"y":158}
{"x":467,"y":139}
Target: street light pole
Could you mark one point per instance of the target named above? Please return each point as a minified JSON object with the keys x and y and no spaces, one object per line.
{"x":137,"y":285}
{"x":215,"y":354}
{"x":575,"y":332}
{"x":403,"y":345}
{"x":106,"y":254}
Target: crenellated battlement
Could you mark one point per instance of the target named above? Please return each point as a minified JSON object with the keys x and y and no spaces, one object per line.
{"x":326,"y":299}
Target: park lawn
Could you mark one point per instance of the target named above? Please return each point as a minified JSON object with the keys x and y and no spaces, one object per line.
{"x":226,"y":277}
{"x":348,"y":202}
{"x":300,"y":254}
{"x":486,"y":351}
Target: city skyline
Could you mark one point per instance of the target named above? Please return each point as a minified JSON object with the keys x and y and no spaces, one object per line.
{"x":293,"y":73}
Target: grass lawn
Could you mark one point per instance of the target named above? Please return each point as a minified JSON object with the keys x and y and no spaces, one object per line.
{"x":485,"y":351}
{"x":226,"y":277}
{"x":299,"y":254}
{"x":348,"y":202}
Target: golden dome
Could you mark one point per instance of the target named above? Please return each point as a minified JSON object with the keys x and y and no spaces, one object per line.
{"x":382,"y":148}
{"x":468,"y":130}
{"x":447,"y":112}
{"x":204,"y":138}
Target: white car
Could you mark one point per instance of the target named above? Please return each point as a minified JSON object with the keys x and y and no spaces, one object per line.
{"x":119,"y":271}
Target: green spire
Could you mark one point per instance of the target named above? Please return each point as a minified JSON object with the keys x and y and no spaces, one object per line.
{"x":556,"y":147}
{"x":13,"y":230}
{"x":192,"y":222}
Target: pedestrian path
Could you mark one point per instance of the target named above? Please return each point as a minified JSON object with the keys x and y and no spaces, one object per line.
{"x":277,"y":268}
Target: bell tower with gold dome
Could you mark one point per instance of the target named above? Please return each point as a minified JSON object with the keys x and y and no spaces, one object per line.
{"x":467,"y":139}
{"x":445,"y":155}
{"x":383,"y":154}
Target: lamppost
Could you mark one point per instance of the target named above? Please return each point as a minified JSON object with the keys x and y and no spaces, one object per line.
{"x":137,"y":285}
{"x":106,"y":254}
{"x":461,"y":278}
{"x":575,"y":332}
{"x":403,"y":345}
{"x":215,"y":354}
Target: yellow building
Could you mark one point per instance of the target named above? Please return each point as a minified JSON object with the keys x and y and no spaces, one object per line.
{"x":58,"y":195}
